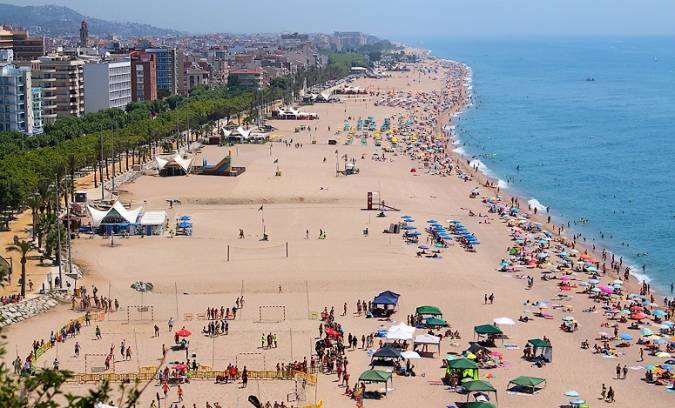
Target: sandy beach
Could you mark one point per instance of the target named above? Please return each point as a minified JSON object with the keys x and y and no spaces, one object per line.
{"x":304,"y":274}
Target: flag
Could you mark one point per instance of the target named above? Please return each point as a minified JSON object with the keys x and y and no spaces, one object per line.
{"x":261,"y":208}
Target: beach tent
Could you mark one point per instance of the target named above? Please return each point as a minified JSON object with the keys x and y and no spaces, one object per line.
{"x":376,"y":376}
{"x":434,"y":322}
{"x":400,"y":331}
{"x":387,"y":353}
{"x":487,"y":330}
{"x":173,"y":165}
{"x":153,"y":222}
{"x":478,"y":404}
{"x":526,"y":384}
{"x":479,"y":386}
{"x":428,"y":311}
{"x":114,"y":218}
{"x":386,"y":298}
{"x":543,"y":346}
{"x":426,"y":339}
{"x":463,"y":367}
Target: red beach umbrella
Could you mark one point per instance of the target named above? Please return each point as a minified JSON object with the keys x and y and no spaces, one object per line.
{"x":183,"y":332}
{"x":332,"y":332}
{"x":638,"y":316}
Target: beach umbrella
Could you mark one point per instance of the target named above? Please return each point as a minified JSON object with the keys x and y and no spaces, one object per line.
{"x":646,"y":332}
{"x":659,"y":312}
{"x":410,"y":355}
{"x":606,"y":289}
{"x":625,"y":336}
{"x":595,"y":290}
{"x":663,"y":354}
{"x":180,"y":366}
{"x":660,"y":341}
{"x":617,"y":282}
{"x":571,"y":394}
{"x":408,"y":227}
{"x":593,"y":281}
{"x":184,"y":224}
{"x":331,"y":332}
{"x":183,"y":332}
{"x":432,"y":221}
{"x":184,"y":218}
{"x":414,"y":233}
{"x":406,"y":216}
{"x":638,"y":316}
{"x":568,"y":319}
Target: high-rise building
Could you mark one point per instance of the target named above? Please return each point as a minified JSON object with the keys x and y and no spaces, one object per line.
{"x":17,"y":108}
{"x":349,"y":40}
{"x":84,"y":34}
{"x":143,"y":76}
{"x":168,"y":70}
{"x":24,"y":46}
{"x":107,"y":84}
{"x":62,"y":81}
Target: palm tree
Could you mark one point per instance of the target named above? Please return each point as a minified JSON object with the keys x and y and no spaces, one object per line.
{"x":23,"y":247}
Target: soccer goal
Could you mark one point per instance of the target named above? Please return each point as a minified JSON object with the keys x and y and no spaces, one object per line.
{"x":253,"y":361}
{"x":140,"y":313}
{"x":271,"y":313}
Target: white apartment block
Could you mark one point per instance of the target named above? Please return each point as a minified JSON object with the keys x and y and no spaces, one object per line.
{"x":107,"y":85}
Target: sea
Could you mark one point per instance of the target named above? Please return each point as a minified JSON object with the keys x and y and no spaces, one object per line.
{"x":585,"y":126}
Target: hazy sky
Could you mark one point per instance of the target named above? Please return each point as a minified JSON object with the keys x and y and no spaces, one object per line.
{"x":391,"y":18}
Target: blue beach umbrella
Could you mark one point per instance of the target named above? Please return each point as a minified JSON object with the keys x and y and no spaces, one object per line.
{"x":432,"y":221}
{"x":625,"y":336}
{"x":659,"y":312}
{"x":184,"y":224}
{"x":408,"y":227}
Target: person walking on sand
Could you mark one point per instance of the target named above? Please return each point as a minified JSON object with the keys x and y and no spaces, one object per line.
{"x":610,"y":395}
{"x":642,"y":354}
{"x":492,"y":298}
{"x":624,"y":371}
{"x":170,"y":324}
{"x":244,"y":378}
{"x":179,"y":391}
{"x":485,"y":299}
{"x":618,"y":371}
{"x":603,"y":393}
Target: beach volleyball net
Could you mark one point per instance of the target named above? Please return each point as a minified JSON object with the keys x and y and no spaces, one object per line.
{"x":271,"y":313}
{"x":262,"y":251}
{"x":140,"y":313}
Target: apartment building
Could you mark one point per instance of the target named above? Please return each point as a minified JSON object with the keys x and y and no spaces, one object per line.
{"x":107,"y":84}
{"x":143,"y":76}
{"x":62,"y":81}
{"x":20,"y":107}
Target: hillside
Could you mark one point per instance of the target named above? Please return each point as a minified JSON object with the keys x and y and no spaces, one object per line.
{"x":53,"y":20}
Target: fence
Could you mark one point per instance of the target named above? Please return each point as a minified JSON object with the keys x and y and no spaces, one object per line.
{"x":149,"y":373}
{"x":48,"y":345}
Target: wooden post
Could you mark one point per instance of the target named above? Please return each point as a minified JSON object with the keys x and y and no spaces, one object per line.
{"x":228,"y":253}
{"x":286,"y":249}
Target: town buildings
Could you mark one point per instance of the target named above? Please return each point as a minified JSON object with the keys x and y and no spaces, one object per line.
{"x":107,"y":84}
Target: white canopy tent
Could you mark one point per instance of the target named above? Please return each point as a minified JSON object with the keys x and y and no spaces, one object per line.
{"x":153,"y":222}
{"x":425,"y":340}
{"x":400,"y":331}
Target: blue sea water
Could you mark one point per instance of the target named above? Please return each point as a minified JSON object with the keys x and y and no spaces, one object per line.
{"x":601,"y":150}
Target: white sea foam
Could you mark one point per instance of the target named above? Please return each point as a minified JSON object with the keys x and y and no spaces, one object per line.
{"x":502,"y":184}
{"x":534,"y":203}
{"x":481,"y":166}
{"x":460,"y":150}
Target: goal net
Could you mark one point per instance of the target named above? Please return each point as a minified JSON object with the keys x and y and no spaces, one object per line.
{"x":140,"y":313}
{"x":271,"y":313}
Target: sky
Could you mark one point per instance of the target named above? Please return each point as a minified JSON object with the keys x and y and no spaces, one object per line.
{"x":395,"y":19}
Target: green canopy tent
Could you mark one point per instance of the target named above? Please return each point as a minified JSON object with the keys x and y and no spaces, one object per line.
{"x":376,"y":376}
{"x":428,"y":311}
{"x":462,"y":367}
{"x":541,"y":345}
{"x":527,"y":384}
{"x":434,"y":322}
{"x":477,"y":404}
{"x":479,"y":386}
{"x":490,"y":331}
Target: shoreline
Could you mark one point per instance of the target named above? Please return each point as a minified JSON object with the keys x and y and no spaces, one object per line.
{"x":468,"y":162}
